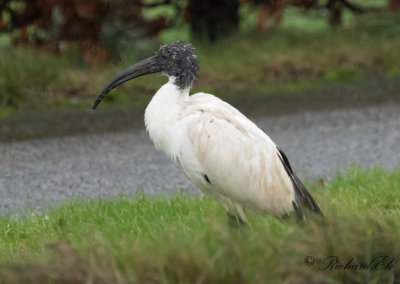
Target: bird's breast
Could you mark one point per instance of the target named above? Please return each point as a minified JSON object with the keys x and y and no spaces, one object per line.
{"x":163,"y":119}
{"x":161,"y":129}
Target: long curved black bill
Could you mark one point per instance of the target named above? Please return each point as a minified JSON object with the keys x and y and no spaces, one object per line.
{"x":147,"y":66}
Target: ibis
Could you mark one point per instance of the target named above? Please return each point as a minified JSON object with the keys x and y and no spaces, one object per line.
{"x":218,"y":148}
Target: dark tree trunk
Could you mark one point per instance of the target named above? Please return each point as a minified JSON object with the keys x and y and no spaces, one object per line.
{"x":335,"y":8}
{"x":335,"y":12}
{"x":211,"y":19}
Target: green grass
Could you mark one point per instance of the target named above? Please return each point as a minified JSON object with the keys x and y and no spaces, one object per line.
{"x":185,"y":239}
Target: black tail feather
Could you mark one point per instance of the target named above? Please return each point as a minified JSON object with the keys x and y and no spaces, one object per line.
{"x":303,"y":197}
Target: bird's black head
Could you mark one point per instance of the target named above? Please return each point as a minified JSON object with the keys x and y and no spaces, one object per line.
{"x":177,"y":60}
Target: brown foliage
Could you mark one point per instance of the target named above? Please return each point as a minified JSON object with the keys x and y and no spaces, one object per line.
{"x":80,"y":21}
{"x":274,"y":9}
{"x":394,"y":5}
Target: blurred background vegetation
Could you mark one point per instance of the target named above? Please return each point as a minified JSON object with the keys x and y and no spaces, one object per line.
{"x":59,"y":54}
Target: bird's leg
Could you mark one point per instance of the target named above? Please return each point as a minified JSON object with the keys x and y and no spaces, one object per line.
{"x":235,"y":222}
{"x":232,"y":220}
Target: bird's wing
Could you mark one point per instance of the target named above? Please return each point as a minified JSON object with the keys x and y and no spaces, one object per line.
{"x":240,"y":162}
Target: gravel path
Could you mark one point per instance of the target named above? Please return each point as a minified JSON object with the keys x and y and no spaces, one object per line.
{"x":44,"y":171}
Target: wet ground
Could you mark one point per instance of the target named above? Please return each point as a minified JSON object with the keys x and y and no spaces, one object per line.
{"x":109,"y":153}
{"x":65,"y":122}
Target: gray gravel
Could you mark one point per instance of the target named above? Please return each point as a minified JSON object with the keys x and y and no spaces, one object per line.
{"x":43,"y":172}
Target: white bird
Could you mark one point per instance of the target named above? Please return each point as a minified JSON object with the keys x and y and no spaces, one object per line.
{"x":218,"y":148}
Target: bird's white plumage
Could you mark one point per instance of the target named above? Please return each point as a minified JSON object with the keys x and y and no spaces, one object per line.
{"x":209,"y":138}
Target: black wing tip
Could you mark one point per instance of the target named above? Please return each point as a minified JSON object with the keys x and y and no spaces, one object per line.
{"x":298,"y":211}
{"x":313,"y":205}
{"x":302,"y":193}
